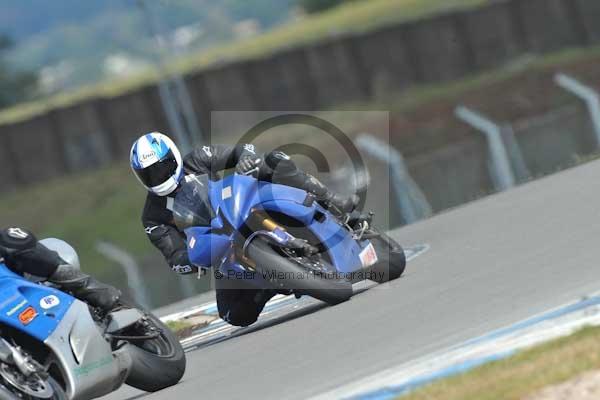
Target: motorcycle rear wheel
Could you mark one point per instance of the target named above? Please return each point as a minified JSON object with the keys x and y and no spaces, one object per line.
{"x":156,"y":363}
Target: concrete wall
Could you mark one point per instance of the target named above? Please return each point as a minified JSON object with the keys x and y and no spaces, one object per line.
{"x":549,"y":24}
{"x":494,"y":34}
{"x":588,"y":12}
{"x":38,"y":152}
{"x":555,"y":140}
{"x":341,"y":69}
{"x":387,"y":60}
{"x":453,"y":175}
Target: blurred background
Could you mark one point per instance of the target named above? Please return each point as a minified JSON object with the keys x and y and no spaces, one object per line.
{"x":482,"y":95}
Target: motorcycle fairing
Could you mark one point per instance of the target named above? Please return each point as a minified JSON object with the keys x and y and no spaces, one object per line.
{"x":17,"y":294}
{"x":206,"y":248}
{"x":88,"y":364}
{"x":236,"y":196}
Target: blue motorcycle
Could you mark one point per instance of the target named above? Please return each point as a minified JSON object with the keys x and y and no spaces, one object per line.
{"x":53,"y":346}
{"x":261,"y":235}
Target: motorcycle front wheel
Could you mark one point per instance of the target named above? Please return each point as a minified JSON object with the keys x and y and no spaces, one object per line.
{"x":287,"y":274}
{"x":392,"y":260}
{"x":16,"y":386}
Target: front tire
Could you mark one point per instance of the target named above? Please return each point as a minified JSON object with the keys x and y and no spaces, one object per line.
{"x":9,"y":392}
{"x":157,"y":363}
{"x":270,"y":263}
{"x":392,"y":260}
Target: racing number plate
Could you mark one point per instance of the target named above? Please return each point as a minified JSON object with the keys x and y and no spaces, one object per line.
{"x":368,"y":256}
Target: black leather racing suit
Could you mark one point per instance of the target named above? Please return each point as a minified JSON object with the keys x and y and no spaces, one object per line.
{"x":237,"y":306}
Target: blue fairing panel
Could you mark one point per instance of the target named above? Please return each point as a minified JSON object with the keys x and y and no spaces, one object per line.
{"x":236,"y":195}
{"x":43,"y":306}
{"x":291,"y":209}
{"x":343,"y":249}
{"x":205,"y":248}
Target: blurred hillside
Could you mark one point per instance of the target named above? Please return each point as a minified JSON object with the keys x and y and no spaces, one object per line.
{"x":77,"y":42}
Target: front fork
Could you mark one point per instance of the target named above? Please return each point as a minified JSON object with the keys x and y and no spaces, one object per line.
{"x":278,"y":235}
{"x":10,"y":354}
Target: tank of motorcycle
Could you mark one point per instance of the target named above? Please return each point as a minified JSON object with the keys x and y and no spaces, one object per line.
{"x":237,"y":195}
{"x":206,"y":248}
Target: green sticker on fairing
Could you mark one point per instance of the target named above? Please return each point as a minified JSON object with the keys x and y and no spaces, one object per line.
{"x":86,"y":369}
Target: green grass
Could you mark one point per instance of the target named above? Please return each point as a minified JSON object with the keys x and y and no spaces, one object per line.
{"x":357,"y":16}
{"x":523,"y":374}
{"x":178,"y":325}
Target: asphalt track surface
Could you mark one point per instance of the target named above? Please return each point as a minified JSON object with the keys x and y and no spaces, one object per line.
{"x":491,"y":263}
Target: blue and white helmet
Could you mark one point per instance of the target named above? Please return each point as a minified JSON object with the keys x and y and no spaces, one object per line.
{"x":157,"y":163}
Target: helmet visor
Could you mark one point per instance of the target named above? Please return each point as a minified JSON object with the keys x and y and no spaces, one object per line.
{"x":158,"y":173}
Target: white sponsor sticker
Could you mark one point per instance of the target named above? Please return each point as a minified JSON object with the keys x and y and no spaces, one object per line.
{"x":16,"y":308}
{"x":226,"y":193}
{"x":368,"y":256}
{"x":192,"y":242}
{"x":49,"y":302}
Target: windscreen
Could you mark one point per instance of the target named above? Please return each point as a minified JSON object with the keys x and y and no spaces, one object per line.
{"x":192,"y":205}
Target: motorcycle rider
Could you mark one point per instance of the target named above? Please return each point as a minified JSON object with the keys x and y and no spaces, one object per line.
{"x":159,"y":166}
{"x":23,"y":253}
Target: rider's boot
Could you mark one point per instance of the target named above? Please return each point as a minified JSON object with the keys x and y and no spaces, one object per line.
{"x":330,"y":200}
{"x":86,"y":288}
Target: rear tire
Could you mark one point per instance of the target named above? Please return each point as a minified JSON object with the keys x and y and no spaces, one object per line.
{"x":392,"y":260}
{"x":270,"y":263}
{"x":151,"y":372}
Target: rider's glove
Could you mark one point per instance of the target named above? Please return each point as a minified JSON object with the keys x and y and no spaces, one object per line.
{"x":184,"y":269}
{"x":190,"y":269}
{"x":248,"y":163}
{"x":181,"y":264}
